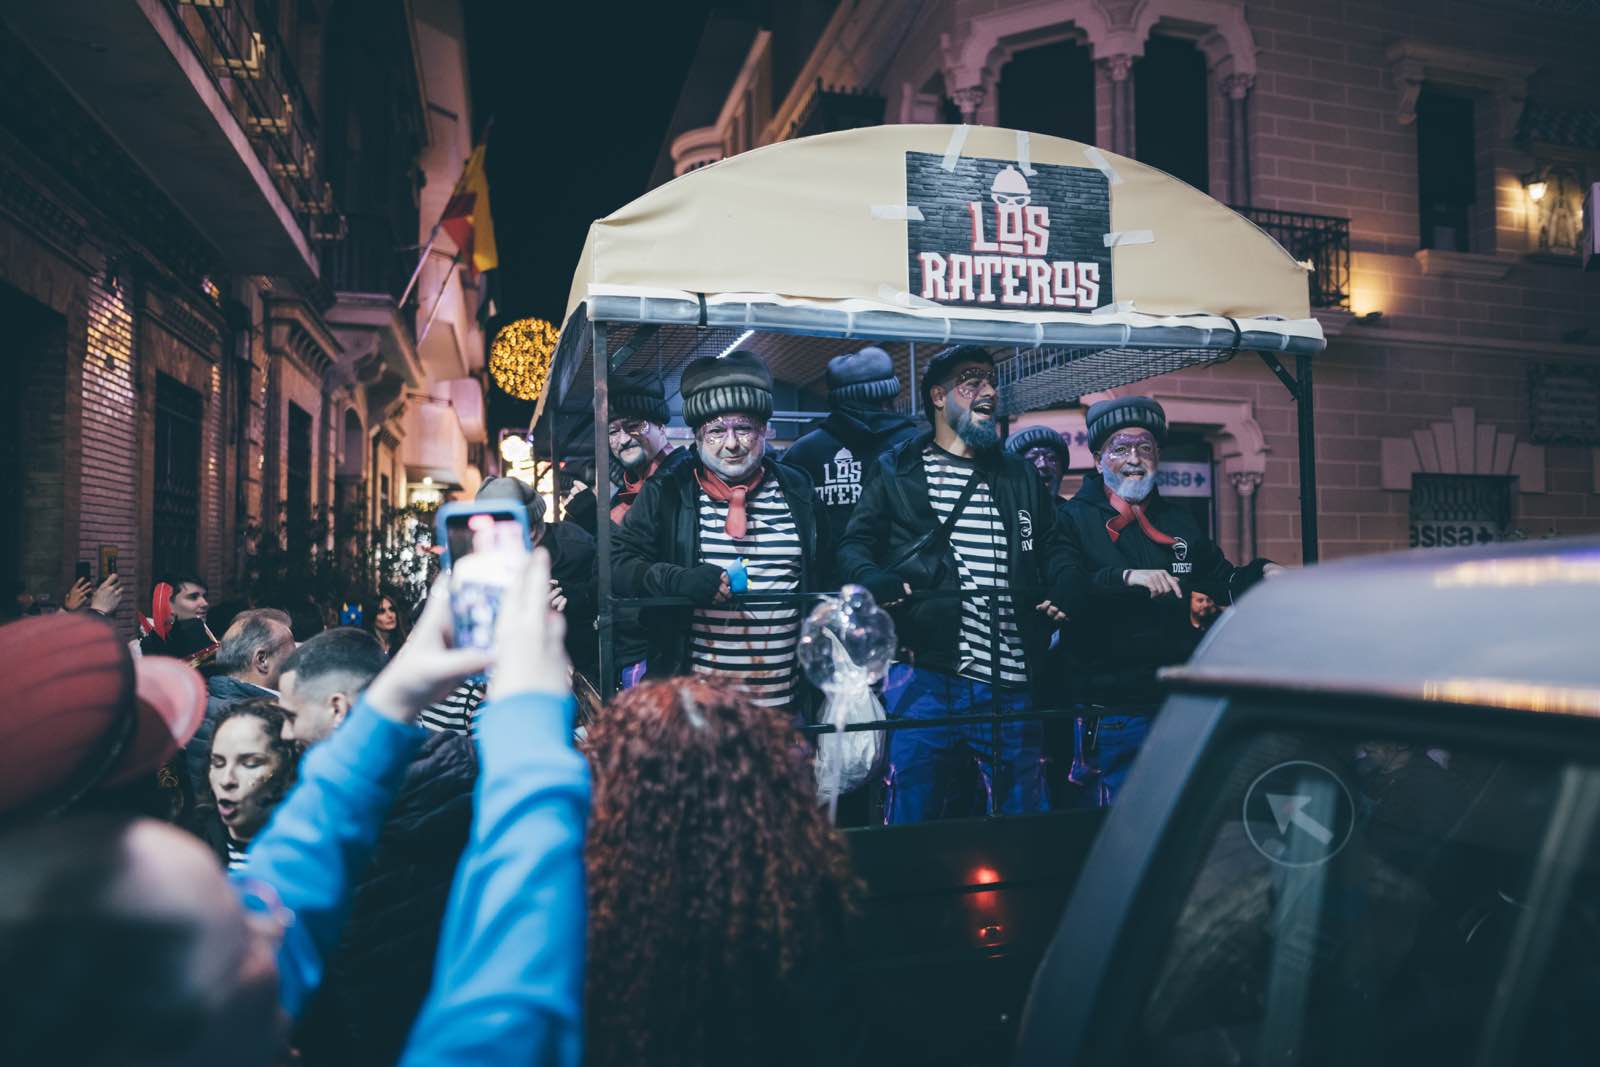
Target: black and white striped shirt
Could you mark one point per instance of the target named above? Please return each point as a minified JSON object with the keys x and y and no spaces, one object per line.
{"x":981,"y":550}
{"x":456,"y":713}
{"x":757,"y":645}
{"x":236,"y":853}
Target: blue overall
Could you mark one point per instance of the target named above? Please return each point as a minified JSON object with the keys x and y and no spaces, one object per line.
{"x":930,"y":773}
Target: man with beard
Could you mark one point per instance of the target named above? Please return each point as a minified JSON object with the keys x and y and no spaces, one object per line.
{"x":637,"y":434}
{"x":639,"y":448}
{"x":860,"y":427}
{"x":727,"y":520}
{"x":948,"y":511}
{"x":1133,"y":557}
{"x":1046,"y":452}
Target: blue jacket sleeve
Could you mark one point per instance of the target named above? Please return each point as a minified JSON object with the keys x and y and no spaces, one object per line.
{"x":508,"y":983}
{"x":322,"y":836}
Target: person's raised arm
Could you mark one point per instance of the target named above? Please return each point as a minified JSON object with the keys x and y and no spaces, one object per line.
{"x":508,"y":980}
{"x":322,"y":836}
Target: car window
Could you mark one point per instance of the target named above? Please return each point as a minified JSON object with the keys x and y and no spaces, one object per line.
{"x":1358,"y":901}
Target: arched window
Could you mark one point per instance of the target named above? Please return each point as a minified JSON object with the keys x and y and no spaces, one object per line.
{"x":1169,"y":109}
{"x":1049,"y":89}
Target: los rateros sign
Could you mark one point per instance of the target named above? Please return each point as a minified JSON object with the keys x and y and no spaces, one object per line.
{"x":991,"y":236}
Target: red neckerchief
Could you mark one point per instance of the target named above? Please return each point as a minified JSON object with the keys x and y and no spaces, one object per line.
{"x":717,"y":489}
{"x":630,"y":487}
{"x":1126,"y":515}
{"x":159,"y":621}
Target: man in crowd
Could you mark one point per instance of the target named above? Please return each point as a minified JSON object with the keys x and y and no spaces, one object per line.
{"x":1047,"y":452}
{"x":176,"y":625}
{"x":949,"y":511}
{"x":377,"y":978}
{"x":860,"y":425}
{"x":248,"y":663}
{"x":126,"y":946}
{"x":1132,"y":558}
{"x":572,"y":566}
{"x":639,"y":448}
{"x":727,"y":520}
{"x":637,"y":434}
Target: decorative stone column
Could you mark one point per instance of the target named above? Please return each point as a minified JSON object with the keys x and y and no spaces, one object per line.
{"x":969,"y":100}
{"x":1245,"y":484}
{"x":1236,"y":90}
{"x":1119,"y":69}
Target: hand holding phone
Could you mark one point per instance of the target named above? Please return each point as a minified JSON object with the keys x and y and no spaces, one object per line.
{"x":532,"y":654}
{"x":426,"y":668}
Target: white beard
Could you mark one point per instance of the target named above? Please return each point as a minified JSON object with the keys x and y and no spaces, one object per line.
{"x":1133,"y":490}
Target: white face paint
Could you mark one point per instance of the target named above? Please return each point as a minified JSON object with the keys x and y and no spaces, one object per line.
{"x":731,"y":446}
{"x":1128,"y":462}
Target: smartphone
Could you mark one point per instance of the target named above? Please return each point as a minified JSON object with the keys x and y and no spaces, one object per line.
{"x":456,"y":525}
{"x":84,"y":572}
{"x":108,"y":561}
{"x":484,"y":544}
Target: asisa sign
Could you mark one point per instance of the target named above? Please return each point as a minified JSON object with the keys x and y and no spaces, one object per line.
{"x":991,"y":236}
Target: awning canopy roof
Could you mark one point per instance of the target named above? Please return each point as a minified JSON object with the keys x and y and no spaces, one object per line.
{"x":810,"y":237}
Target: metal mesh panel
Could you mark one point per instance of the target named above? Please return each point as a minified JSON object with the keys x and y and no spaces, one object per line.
{"x":1046,"y":377}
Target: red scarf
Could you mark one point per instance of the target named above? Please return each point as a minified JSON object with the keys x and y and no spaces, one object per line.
{"x":1126,"y":515}
{"x":734,"y":495}
{"x":630,"y":487}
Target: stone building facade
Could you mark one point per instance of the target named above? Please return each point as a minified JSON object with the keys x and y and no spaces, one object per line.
{"x":184,"y":274}
{"x":1428,"y":158}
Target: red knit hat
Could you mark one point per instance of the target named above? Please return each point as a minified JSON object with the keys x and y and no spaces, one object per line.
{"x":78,"y":713}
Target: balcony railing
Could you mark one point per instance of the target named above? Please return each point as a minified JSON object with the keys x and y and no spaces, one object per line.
{"x":252,"y":72}
{"x":371,"y":259}
{"x":1323,"y":241}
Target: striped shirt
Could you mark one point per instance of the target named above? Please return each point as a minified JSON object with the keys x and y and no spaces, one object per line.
{"x":456,"y":713}
{"x":757,"y":645}
{"x":982,"y":551}
{"x":236,"y":853}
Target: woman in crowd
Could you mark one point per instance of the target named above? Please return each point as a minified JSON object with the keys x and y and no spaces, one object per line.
{"x":252,"y":767}
{"x":386,"y":621}
{"x":719,"y":895}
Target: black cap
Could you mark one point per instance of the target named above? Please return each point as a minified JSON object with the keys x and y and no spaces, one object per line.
{"x":864,"y":376}
{"x":1038,"y":437}
{"x":639,"y":395}
{"x":1108,"y":416}
{"x":940,"y":368}
{"x":720,"y":385}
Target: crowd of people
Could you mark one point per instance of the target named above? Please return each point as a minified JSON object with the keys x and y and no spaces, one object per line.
{"x":338,"y":846}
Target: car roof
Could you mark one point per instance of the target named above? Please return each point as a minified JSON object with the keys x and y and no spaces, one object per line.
{"x":1513,"y":625}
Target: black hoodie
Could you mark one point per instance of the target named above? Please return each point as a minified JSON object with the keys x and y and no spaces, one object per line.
{"x":839,"y":453}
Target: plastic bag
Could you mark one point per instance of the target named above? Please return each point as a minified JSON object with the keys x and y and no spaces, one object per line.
{"x":846,"y":644}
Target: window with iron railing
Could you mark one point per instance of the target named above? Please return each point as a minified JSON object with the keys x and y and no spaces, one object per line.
{"x":1322,"y":241}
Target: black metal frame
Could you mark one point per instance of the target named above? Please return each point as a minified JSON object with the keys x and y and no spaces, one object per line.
{"x":603,"y":361}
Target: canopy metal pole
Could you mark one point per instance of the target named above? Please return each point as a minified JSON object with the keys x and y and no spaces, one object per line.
{"x":555,"y":467}
{"x":1308,"y":461}
{"x":1299,"y":386}
{"x":911,"y":362}
{"x":602,"y":516}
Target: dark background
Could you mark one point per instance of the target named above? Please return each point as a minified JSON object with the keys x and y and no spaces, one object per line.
{"x":580,"y":95}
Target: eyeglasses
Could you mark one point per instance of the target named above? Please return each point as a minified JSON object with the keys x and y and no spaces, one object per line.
{"x":971,"y":382}
{"x":715,"y":433}
{"x":627,"y":428}
{"x":1145,"y":450}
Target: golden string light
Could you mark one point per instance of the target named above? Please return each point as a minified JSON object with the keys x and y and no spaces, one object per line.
{"x":521,"y":355}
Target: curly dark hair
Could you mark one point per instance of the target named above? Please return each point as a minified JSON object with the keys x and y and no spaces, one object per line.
{"x":272,"y":719}
{"x":715,"y":880}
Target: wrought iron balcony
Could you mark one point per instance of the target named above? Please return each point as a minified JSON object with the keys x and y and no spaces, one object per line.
{"x":253,"y":73}
{"x":373,"y":257}
{"x":1322,"y":241}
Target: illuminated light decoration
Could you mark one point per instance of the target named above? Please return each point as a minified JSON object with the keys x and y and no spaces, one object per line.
{"x":515,"y":449}
{"x":520,"y":357}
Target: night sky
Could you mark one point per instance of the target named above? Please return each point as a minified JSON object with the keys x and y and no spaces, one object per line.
{"x":580,"y":94}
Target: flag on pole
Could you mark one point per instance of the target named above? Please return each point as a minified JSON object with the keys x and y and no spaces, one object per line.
{"x":467,"y":219}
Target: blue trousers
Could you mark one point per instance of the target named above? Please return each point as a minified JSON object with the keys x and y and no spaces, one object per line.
{"x":1102,"y":754}
{"x":931,"y":770}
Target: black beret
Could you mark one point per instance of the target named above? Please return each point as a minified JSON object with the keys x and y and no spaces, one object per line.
{"x":1108,"y":416}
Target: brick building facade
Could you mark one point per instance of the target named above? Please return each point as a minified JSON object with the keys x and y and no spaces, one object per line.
{"x":203,"y":347}
{"x":1429,"y":158}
